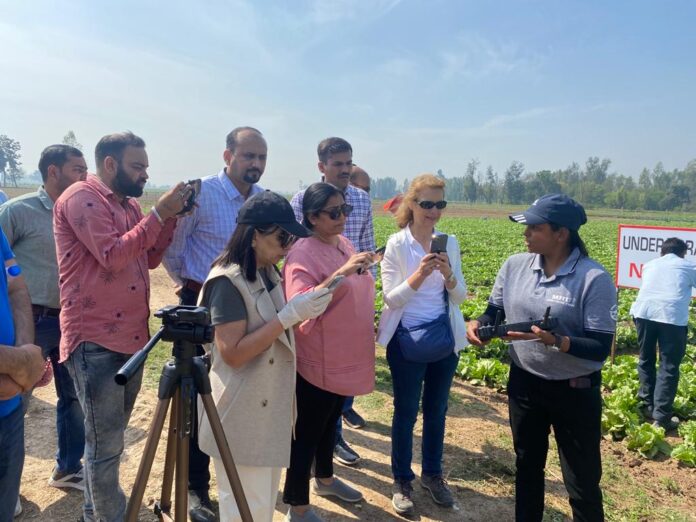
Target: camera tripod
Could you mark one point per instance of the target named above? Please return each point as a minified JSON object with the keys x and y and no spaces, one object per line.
{"x":182,"y":379}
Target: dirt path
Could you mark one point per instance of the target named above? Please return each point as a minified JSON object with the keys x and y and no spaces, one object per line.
{"x":478,"y":457}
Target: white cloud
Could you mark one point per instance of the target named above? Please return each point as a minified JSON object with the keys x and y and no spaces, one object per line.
{"x":472,"y":56}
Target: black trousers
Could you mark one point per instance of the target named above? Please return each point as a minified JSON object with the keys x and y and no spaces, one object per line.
{"x":199,"y":462}
{"x":315,"y":430}
{"x":537,"y":404}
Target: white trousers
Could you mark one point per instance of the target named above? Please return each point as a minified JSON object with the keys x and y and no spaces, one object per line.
{"x":260,"y":488}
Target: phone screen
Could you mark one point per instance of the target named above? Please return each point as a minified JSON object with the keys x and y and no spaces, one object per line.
{"x":438,"y":243}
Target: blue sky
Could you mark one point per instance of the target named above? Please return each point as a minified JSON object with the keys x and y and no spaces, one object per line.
{"x":414,"y":85}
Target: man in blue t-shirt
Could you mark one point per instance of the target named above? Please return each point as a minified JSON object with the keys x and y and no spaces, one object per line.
{"x":21,"y":365}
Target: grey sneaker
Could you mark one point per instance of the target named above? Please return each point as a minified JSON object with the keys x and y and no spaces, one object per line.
{"x":344,"y":454}
{"x":337,"y":488}
{"x":309,"y":516}
{"x":669,"y":424}
{"x":401,"y":497}
{"x":68,"y":480}
{"x":438,"y":489}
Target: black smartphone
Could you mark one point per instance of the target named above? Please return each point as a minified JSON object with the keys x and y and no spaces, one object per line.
{"x":438,"y":243}
{"x":196,"y":186}
{"x":380,"y":251}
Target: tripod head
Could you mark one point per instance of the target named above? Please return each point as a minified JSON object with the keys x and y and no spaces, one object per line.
{"x":185,"y":326}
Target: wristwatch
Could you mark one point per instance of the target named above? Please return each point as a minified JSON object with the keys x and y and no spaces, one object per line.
{"x":557,"y":342}
{"x":451,"y":277}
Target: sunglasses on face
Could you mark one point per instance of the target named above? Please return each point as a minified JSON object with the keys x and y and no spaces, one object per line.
{"x":335,"y":212}
{"x":427,"y":205}
{"x":285,"y":238}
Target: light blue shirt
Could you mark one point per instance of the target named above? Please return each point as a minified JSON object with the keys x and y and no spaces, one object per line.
{"x":665,"y":291}
{"x":200,"y":237}
{"x":3,"y":197}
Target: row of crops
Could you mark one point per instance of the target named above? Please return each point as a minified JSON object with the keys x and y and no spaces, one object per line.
{"x":485,"y":243}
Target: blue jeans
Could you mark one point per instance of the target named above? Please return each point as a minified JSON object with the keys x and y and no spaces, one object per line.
{"x":658,"y":391}
{"x":408,"y":379}
{"x":107,"y":408}
{"x":11,"y":461}
{"x":70,"y":422}
{"x":347,"y":406}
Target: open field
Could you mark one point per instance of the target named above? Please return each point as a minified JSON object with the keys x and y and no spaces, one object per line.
{"x":478,"y":454}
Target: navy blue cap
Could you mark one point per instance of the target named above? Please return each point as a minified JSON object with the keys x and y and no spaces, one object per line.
{"x":269,"y":208}
{"x":553,"y":208}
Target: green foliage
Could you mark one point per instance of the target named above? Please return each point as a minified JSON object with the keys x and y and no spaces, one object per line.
{"x":648,"y":440}
{"x":686,"y":451}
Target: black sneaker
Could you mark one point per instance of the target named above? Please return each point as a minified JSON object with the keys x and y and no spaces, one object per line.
{"x":200,"y":507}
{"x":438,"y":489}
{"x":646,"y":411}
{"x":344,"y":454}
{"x":669,"y":424}
{"x":353,"y":419}
{"x":402,"y":492}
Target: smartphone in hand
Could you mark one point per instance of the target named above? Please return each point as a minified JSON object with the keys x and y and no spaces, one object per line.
{"x":438,"y":243}
{"x":195,"y":190}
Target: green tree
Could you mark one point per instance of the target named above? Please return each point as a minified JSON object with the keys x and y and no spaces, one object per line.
{"x":10,"y":164}
{"x":70,"y":139}
{"x":513,"y":187}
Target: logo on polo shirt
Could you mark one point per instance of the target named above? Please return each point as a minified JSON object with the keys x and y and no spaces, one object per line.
{"x":566,"y":300}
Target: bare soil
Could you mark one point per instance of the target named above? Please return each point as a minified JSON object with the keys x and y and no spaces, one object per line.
{"x":478,"y":457}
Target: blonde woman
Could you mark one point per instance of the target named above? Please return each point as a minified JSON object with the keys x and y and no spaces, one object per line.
{"x":422,"y":293}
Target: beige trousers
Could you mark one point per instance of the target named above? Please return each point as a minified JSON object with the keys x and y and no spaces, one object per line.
{"x":260,"y":488}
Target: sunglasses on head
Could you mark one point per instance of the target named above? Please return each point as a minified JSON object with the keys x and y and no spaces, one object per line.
{"x":335,"y":212}
{"x":427,"y":205}
{"x":285,"y":238}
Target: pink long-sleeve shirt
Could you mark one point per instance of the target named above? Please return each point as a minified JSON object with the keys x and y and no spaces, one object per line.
{"x":105,"y":247}
{"x":336,"y":351}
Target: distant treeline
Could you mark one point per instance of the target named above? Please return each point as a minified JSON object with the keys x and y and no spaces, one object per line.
{"x":593,"y":186}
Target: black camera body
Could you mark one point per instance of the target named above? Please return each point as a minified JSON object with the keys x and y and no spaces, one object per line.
{"x":498,"y":329}
{"x":185,"y":323}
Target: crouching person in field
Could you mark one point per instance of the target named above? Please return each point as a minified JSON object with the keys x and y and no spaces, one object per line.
{"x":253,"y":352}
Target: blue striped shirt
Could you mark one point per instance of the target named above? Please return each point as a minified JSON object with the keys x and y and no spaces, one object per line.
{"x":200,"y":237}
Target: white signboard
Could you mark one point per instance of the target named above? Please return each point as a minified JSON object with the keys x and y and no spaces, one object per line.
{"x":638,"y":244}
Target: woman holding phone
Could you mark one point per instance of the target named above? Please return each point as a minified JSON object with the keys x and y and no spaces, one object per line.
{"x":335,"y":352}
{"x":253,"y":352}
{"x":422,"y":286}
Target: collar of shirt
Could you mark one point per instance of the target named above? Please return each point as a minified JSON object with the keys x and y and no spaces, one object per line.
{"x":45,"y":199}
{"x":566,"y":268}
{"x":231,"y":190}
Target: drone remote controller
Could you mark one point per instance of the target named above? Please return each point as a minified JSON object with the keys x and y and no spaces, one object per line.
{"x":488,"y":332}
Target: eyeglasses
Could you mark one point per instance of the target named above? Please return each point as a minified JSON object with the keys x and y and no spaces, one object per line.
{"x":427,"y":205}
{"x":284,"y":237}
{"x":335,"y":212}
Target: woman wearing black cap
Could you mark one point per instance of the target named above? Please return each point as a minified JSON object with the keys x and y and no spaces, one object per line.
{"x":253,"y":352}
{"x":555,"y":375}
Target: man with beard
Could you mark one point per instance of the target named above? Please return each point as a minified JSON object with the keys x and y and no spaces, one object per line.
{"x":105,"y":247}
{"x":198,"y":240}
{"x":28,"y":225}
{"x":336,"y":166}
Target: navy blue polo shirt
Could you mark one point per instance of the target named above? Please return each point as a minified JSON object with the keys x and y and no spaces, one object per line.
{"x":581,"y":295}
{"x":7,"y":332}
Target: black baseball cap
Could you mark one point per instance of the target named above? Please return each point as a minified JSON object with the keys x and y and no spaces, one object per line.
{"x":269,"y":208}
{"x":553,"y":208}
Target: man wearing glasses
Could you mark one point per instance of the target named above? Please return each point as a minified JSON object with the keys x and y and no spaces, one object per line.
{"x":336,"y":166}
{"x":198,"y":239}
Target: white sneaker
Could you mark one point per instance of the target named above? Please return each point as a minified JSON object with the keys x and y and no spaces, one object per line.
{"x":68,"y":480}
{"x":18,"y":508}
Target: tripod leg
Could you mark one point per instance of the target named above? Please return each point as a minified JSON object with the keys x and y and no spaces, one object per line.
{"x":182,"y":462}
{"x":226,"y":455}
{"x":146,"y":460}
{"x":163,"y":508}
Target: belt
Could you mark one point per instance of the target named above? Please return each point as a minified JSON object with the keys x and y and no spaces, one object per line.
{"x":45,"y":311}
{"x":192,"y":285}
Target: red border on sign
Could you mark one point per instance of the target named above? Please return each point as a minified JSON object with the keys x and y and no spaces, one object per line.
{"x":618,"y":247}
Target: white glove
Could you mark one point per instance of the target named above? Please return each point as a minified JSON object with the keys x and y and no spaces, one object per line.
{"x":304,"y":306}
